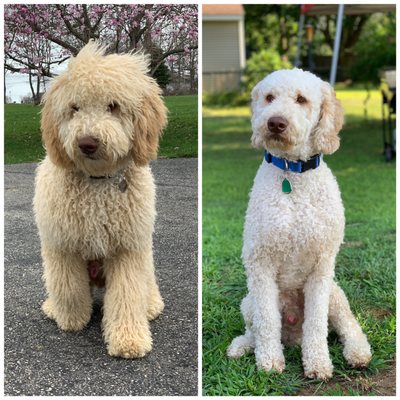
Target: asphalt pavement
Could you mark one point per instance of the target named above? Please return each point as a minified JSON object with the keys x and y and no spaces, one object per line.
{"x":42,"y":360}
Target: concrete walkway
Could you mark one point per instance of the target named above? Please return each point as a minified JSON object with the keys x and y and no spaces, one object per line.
{"x":42,"y":360}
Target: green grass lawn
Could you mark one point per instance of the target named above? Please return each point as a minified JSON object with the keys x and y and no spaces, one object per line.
{"x":365,"y":266}
{"x":23,"y":139}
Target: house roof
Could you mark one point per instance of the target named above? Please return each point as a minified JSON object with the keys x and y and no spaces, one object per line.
{"x":223,"y":9}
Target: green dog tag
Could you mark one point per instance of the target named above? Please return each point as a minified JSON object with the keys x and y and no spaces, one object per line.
{"x":286,"y":186}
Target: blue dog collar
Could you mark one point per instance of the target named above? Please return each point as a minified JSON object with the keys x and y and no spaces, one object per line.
{"x":293,"y":166}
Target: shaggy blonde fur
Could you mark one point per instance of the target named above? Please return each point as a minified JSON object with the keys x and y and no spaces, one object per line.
{"x":291,"y":240}
{"x":81,"y":219}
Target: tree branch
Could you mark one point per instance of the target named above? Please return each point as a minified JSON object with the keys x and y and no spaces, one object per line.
{"x":169,"y":53}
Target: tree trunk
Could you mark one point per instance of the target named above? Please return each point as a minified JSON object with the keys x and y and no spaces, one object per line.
{"x":5,"y":87}
{"x":37,"y":98}
{"x":192,"y":73}
{"x":35,"y":95}
{"x":31,"y":86}
{"x":179,"y":71}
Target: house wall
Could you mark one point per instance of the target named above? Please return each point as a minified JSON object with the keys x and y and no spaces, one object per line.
{"x":221,"y":56}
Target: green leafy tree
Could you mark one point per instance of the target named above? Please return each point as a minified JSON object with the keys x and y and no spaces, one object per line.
{"x":162,"y":75}
{"x":367,"y":43}
{"x":271,"y":26}
{"x":375,"y":49}
{"x":261,"y":64}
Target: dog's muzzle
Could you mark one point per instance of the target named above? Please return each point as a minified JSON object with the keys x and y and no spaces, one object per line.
{"x":277,"y":127}
{"x":88,"y":145}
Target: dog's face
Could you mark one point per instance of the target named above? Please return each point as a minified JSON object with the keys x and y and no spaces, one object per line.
{"x":295,"y":115}
{"x":103,"y":112}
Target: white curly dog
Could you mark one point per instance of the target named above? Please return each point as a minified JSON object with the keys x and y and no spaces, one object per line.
{"x":94,"y":200}
{"x":294,"y":228}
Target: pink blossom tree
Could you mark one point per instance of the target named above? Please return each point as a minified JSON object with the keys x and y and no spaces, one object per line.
{"x":39,"y":36}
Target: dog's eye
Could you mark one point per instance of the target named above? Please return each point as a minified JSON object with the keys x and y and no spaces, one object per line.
{"x":74,"y":108}
{"x":270,"y":98}
{"x":301,"y":99}
{"x":112,"y":107}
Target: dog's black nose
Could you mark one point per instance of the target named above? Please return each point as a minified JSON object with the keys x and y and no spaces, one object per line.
{"x":277,"y":124}
{"x":88,"y":144}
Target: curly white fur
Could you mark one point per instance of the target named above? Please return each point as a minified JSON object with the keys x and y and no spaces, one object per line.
{"x":83,"y":220}
{"x":291,"y":240}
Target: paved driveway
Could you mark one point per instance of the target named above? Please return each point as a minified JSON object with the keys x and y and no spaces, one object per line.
{"x":42,"y":360}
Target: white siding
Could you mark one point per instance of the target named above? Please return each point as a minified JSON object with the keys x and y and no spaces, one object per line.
{"x":221,"y":56}
{"x":221,"y":46}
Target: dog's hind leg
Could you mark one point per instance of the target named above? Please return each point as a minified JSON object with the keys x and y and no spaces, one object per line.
{"x":155,"y":304}
{"x":69,"y":300}
{"x":241,"y":345}
{"x":357,"y":350}
{"x":244,"y":344}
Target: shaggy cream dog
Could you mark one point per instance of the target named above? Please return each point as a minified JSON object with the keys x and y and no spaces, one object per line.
{"x":294,"y":228}
{"x":95,"y":196}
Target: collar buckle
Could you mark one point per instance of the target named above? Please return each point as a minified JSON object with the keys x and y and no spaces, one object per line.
{"x":286,"y":164}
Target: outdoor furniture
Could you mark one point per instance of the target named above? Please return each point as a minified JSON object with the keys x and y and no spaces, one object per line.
{"x":388,"y":90}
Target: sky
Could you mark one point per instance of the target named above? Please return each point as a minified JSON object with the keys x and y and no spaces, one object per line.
{"x":17,"y":85}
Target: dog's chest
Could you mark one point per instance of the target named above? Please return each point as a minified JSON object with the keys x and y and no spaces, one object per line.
{"x":100,"y":216}
{"x":293,"y":230}
{"x":93,"y":218}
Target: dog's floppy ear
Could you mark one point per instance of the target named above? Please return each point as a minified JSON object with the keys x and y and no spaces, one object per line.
{"x":326,"y":133}
{"x":254,"y":95}
{"x":256,"y":141}
{"x":50,"y":138}
{"x":148,"y":125}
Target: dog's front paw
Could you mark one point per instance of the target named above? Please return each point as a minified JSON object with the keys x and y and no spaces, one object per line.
{"x":129,"y":342}
{"x":268,"y":360}
{"x":318,"y":366}
{"x":357,"y":352}
{"x":66,"y":321}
